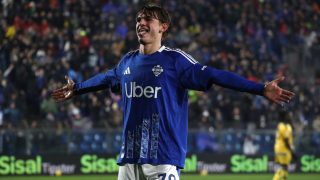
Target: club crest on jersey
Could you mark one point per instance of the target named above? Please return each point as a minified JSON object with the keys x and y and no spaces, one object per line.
{"x":157,"y":70}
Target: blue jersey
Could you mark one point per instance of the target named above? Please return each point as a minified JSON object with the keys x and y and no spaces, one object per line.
{"x":155,"y":101}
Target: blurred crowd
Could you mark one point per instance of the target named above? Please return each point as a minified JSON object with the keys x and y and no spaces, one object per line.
{"x":41,"y":41}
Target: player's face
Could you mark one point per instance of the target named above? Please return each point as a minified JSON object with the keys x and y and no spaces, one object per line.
{"x":149,"y":29}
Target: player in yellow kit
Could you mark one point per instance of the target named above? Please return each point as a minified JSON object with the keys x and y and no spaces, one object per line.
{"x":283,"y":147}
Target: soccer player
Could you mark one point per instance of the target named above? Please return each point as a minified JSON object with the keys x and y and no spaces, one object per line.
{"x":154,"y":83}
{"x":283,"y":147}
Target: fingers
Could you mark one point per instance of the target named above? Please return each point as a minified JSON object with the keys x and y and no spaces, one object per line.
{"x":69,"y":80}
{"x":61,"y":94}
{"x":278,"y":95}
{"x":61,"y":100}
{"x":279,"y":100}
{"x":287,"y":93}
{"x":68,"y":94}
{"x":283,"y":99}
{"x":278,"y":80}
{"x":64,"y":88}
{"x":58,"y":95}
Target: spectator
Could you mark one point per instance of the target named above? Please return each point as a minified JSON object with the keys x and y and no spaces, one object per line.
{"x":79,"y":122}
{"x":88,"y":37}
{"x":249,"y":148}
{"x":316,"y":124}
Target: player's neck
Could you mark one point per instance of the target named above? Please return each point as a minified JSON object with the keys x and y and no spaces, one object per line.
{"x":149,"y":48}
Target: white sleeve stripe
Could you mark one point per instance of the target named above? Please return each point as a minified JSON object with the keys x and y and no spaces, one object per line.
{"x":187,"y":55}
{"x":190,"y":60}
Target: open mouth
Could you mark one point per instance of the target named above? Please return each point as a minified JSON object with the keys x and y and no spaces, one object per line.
{"x":142,"y":31}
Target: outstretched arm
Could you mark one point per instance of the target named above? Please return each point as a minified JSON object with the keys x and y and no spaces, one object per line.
{"x":201,"y":78}
{"x":98,"y":82}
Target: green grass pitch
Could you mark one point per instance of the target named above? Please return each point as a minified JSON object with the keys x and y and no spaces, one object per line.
{"x":183,"y":177}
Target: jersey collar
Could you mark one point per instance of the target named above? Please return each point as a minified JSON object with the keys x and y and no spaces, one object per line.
{"x":161,"y":49}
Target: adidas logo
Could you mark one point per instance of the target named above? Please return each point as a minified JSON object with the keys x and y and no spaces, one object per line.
{"x":127,"y":71}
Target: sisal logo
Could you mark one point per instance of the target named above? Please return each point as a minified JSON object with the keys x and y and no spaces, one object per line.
{"x":135,"y":91}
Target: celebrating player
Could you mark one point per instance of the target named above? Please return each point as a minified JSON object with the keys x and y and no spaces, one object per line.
{"x":154,"y":84}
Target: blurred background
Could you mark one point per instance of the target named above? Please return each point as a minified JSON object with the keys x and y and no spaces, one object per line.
{"x":41,"y":41}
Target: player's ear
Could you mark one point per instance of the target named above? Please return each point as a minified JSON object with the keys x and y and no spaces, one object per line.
{"x":163,"y":27}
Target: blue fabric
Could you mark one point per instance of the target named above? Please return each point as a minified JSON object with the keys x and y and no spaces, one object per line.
{"x":155,"y":99}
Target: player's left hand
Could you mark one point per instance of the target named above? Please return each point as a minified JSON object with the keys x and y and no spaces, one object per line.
{"x":276,"y":94}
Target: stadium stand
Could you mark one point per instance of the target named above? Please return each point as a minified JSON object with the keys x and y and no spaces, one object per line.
{"x":41,"y":42}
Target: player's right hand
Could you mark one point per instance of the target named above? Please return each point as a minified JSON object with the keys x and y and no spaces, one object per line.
{"x":64,"y":93}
